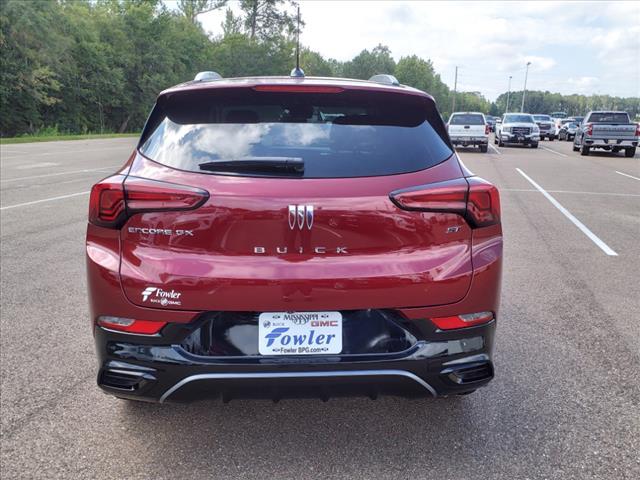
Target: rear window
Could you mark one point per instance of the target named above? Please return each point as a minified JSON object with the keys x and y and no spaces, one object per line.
{"x":542,"y":118}
{"x":466,"y":119}
{"x":609,"y":117}
{"x":347,"y":134}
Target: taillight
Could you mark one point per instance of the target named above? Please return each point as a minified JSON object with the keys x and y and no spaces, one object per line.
{"x":589,"y":128}
{"x":106,"y":203}
{"x":462,"y":321}
{"x":483,"y":203}
{"x":130,"y":325}
{"x":474,"y":198}
{"x":487,"y":129}
{"x":114,"y":199}
{"x":298,"y":89}
{"x":637,"y":129}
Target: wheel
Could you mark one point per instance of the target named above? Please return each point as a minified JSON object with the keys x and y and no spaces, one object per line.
{"x":495,"y":139}
{"x":534,"y":145}
{"x":584,"y":151}
{"x":552,"y":138}
{"x":576,"y":148}
{"x":500,"y":143}
{"x":615,"y":149}
{"x":484,"y":148}
{"x":629,"y":152}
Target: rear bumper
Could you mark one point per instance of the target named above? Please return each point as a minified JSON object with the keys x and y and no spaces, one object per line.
{"x":141,"y":368}
{"x":467,"y":141}
{"x":608,"y":143}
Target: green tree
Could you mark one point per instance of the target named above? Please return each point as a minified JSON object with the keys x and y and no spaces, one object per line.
{"x":267,"y":19}
{"x":192,"y":8}
{"x":368,"y":63}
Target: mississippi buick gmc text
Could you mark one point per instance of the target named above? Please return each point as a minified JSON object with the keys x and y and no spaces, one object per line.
{"x":278,"y":236}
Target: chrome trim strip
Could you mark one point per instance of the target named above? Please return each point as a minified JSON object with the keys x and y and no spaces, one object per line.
{"x":110,"y":330}
{"x":348,"y":373}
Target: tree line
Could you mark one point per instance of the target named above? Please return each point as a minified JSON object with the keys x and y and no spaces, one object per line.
{"x":78,"y":66}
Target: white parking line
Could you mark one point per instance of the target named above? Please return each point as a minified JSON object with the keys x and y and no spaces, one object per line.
{"x":495,"y":149}
{"x":553,"y":151}
{"x":85,"y":170}
{"x":44,"y":200}
{"x":571,"y":191}
{"x":592,"y":236}
{"x":627,"y":175}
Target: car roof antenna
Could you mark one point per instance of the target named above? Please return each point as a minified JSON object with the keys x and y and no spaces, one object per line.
{"x":297,"y":72}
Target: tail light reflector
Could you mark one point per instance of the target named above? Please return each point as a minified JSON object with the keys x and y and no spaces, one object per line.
{"x":462,"y":321}
{"x":474,"y":198}
{"x":129,"y":325}
{"x":116,"y":198}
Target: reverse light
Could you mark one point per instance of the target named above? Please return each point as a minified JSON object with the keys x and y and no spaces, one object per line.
{"x":116,"y":198}
{"x":130,"y":325}
{"x":477,"y":200}
{"x":462,"y":321}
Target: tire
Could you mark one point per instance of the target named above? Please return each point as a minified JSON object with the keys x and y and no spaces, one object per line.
{"x":552,"y":138}
{"x":629,"y":152}
{"x":500,"y":143}
{"x":576,"y":148}
{"x":616,"y":149}
{"x":484,"y":148}
{"x":465,"y":393}
{"x":534,"y":145}
{"x":584,"y":151}
{"x":495,"y":140}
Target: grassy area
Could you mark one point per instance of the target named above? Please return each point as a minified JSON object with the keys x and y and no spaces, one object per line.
{"x":54,"y":138}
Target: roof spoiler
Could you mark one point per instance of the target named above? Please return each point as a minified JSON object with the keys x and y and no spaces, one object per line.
{"x":386,"y":79}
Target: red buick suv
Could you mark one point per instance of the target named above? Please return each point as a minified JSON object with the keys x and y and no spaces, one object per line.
{"x":278,"y":236}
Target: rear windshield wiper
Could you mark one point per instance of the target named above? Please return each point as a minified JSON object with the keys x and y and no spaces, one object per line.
{"x":290,"y":165}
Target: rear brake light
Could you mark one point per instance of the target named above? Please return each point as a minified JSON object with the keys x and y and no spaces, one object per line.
{"x":474,"y":198}
{"x":486,"y":129}
{"x":462,"y":321}
{"x":114,"y":199}
{"x":483,"y":203}
{"x":589,"y":128}
{"x":637,"y":129}
{"x":297,"y":89}
{"x":129,"y":325}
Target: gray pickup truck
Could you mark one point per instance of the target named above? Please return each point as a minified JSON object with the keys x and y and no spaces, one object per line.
{"x":610,"y":131}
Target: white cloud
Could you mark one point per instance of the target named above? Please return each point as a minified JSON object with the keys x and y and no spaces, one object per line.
{"x":566,"y":42}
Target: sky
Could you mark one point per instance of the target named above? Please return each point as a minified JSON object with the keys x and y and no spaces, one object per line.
{"x":573,"y":47}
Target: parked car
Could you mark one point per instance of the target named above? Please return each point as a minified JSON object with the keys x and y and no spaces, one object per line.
{"x":491,"y":121}
{"x":469,"y":129}
{"x":609,"y":131}
{"x":518,"y":128}
{"x":577,"y":120}
{"x":274,"y":236}
{"x":568,"y":131}
{"x":546,"y":126}
{"x":558,"y":115}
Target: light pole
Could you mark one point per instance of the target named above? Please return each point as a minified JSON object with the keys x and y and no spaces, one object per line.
{"x":508,"y":95}
{"x":524,"y":92}
{"x":455,"y":88}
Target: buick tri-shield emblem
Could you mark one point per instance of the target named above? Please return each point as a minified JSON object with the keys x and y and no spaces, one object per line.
{"x":299,"y":216}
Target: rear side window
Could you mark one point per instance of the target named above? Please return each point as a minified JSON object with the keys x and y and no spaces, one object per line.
{"x":346,"y":134}
{"x":609,"y":117}
{"x":466,"y":119}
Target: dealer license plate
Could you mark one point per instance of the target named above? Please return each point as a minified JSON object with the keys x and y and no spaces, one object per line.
{"x":299,"y":333}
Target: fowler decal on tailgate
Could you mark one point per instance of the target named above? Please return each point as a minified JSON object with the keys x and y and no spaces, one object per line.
{"x":300,"y":333}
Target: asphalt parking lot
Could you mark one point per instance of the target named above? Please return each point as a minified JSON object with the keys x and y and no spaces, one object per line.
{"x":565,"y":402}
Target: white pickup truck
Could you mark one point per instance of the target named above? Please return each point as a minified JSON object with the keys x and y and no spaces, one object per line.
{"x":469,"y":128}
{"x":610,"y":131}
